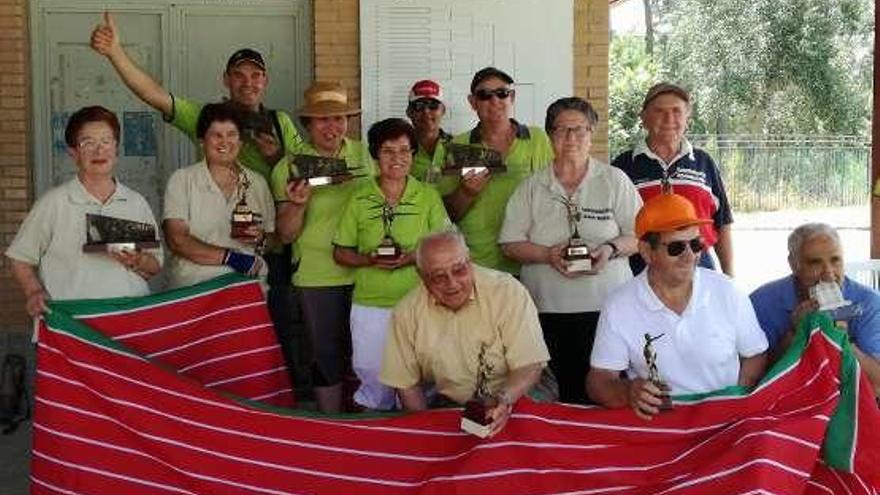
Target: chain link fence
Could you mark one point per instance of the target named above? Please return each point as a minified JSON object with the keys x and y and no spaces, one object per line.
{"x":766,"y":173}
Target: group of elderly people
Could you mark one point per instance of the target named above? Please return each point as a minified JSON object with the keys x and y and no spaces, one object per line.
{"x":421,"y":324}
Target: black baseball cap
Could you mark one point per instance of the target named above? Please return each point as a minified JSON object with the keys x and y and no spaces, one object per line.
{"x":246,"y":55}
{"x":486,"y":73}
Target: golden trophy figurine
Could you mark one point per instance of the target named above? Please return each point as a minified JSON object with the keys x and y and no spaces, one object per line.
{"x":576,"y":253}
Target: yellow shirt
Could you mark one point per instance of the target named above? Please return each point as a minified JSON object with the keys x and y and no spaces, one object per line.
{"x":429,"y":343}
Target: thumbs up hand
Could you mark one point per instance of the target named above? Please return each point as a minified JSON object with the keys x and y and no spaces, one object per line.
{"x":105,"y":38}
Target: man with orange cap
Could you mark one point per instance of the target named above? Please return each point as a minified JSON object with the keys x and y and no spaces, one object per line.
{"x":703,"y":331}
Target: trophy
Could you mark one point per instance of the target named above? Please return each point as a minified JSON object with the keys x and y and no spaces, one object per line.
{"x":473,"y":418}
{"x":243,"y":218}
{"x":105,"y":233}
{"x":831,"y":300}
{"x":319,"y":170}
{"x":388,"y":249}
{"x":464,"y":158}
{"x":577,"y":253}
{"x":653,"y":374}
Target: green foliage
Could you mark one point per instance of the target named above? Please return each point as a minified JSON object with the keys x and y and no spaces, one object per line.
{"x":631,"y":73}
{"x":753,"y":66}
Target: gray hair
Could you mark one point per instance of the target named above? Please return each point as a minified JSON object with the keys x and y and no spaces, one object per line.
{"x":804,"y":233}
{"x":450,"y":235}
{"x":570,"y":103}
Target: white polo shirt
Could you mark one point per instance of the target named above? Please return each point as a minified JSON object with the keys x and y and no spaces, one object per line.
{"x":192,"y":196}
{"x":52,"y":236}
{"x":700,"y":349}
{"x":608,"y":203}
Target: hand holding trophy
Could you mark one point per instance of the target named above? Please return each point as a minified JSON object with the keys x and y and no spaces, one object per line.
{"x":477,"y":418}
{"x":654,"y":373}
{"x":576,"y":253}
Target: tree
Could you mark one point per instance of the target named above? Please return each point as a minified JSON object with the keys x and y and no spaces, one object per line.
{"x":770,"y":66}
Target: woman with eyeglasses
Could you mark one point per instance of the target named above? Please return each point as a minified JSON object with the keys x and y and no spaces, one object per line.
{"x":47,"y":256}
{"x":377,"y":236}
{"x":476,"y":202}
{"x":571,"y":226}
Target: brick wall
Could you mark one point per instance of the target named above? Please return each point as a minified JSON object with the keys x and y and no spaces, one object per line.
{"x":337,"y":48}
{"x":16,"y":188}
{"x":591,"y":18}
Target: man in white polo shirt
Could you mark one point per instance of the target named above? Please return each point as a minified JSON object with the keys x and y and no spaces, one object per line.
{"x":703,"y":330}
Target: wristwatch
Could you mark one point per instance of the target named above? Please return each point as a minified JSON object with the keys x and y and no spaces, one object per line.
{"x":614,"y":250}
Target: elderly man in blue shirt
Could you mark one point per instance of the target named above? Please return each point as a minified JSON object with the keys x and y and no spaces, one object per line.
{"x":815,"y":255}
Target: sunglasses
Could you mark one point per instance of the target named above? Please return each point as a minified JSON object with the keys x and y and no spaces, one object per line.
{"x":676,"y":248}
{"x":422,"y":105}
{"x":487,"y":94}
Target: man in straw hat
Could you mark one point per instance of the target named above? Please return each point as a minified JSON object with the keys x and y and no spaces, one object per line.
{"x":667,"y":158}
{"x":268,"y":133}
{"x":703,"y":330}
{"x":309,"y":216}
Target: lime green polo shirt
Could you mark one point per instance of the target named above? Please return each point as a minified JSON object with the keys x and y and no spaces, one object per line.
{"x":428,"y":168}
{"x":314,"y":246}
{"x":185,"y":115}
{"x":531,"y":151}
{"x":419,"y":212}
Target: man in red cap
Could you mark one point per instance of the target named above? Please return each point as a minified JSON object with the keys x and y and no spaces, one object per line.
{"x":702,"y":330}
{"x":426,"y":110}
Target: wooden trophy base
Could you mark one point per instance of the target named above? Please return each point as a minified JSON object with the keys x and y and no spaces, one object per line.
{"x":664,"y":396}
{"x":473,"y":418}
{"x":577,"y":258}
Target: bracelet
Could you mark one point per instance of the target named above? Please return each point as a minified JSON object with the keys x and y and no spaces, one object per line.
{"x":614,"y":251}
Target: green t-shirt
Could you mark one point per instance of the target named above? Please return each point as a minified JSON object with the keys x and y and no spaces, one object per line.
{"x":185,"y":115}
{"x":530,"y":152}
{"x":419,"y":212}
{"x":314,"y":246}
{"x":428,"y":168}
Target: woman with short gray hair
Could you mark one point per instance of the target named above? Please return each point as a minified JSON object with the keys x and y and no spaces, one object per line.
{"x":571,"y":226}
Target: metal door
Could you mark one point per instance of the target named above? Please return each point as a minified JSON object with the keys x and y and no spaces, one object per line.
{"x":183,"y":44}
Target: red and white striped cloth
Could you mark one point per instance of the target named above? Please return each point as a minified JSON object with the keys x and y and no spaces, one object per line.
{"x":110,"y":421}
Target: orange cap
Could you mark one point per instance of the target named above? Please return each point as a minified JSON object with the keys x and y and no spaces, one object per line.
{"x":667,"y":212}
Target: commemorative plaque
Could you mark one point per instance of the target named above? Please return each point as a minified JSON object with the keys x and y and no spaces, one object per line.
{"x":104,"y":233}
{"x":462,"y":159}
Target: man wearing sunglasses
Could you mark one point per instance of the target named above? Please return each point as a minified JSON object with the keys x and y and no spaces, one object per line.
{"x":815,"y":255}
{"x":426,"y":111}
{"x":438,"y":330}
{"x":477,"y":204}
{"x":703,"y":330}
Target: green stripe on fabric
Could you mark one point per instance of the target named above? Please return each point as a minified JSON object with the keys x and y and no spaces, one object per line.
{"x":838,"y":447}
{"x":93,"y":307}
{"x":60,"y":321}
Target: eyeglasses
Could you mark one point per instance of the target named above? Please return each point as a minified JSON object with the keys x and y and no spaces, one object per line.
{"x":392,"y":152}
{"x":579,"y":131}
{"x":89,"y":144}
{"x":424,"y":104}
{"x":487,"y":94}
{"x":676,"y":248}
{"x":445,"y":276}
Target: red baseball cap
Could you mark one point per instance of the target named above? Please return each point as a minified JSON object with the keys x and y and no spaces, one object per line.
{"x":426,"y":89}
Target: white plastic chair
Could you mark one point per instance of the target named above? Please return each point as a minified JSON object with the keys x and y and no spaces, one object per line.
{"x":866,"y":272}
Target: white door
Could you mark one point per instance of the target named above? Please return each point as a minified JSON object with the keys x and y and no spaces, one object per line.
{"x":403,"y":41}
{"x":184,"y":45}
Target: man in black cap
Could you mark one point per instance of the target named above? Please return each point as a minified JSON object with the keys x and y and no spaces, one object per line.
{"x":268,"y":133}
{"x":267,"y":136}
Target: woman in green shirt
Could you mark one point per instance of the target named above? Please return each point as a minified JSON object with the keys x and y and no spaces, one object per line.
{"x":377,"y":236}
{"x":308,"y":216}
